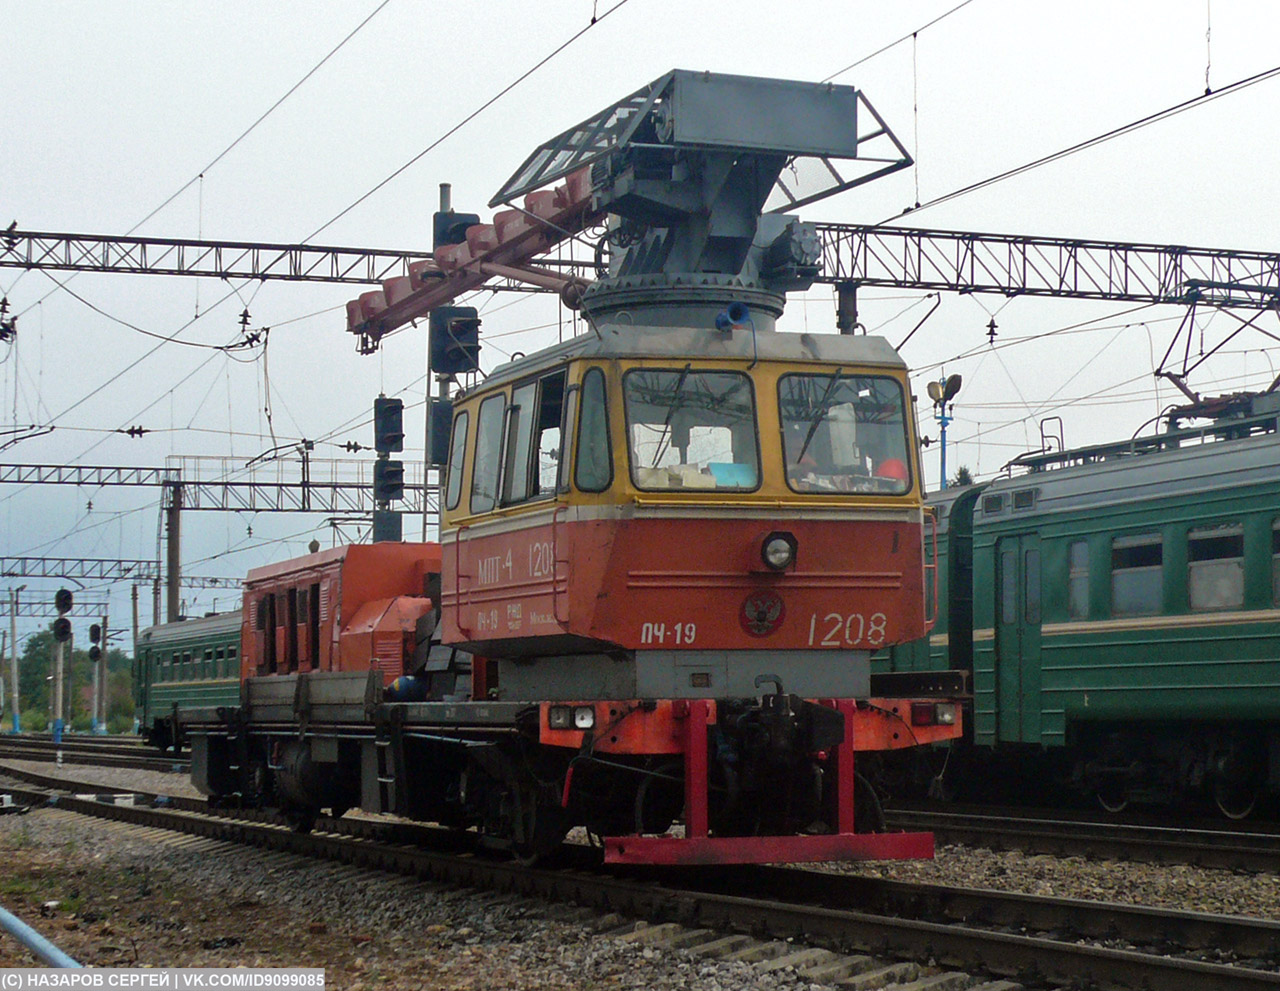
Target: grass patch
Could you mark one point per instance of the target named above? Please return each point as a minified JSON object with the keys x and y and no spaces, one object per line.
{"x":18,"y":887}
{"x":72,"y":903}
{"x":19,"y":839}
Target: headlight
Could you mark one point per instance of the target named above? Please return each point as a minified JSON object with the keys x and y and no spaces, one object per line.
{"x":584,"y":717}
{"x":933,"y":714}
{"x":778,"y":550}
{"x":560,"y":717}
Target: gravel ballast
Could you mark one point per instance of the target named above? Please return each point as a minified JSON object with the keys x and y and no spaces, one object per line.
{"x":133,"y":897}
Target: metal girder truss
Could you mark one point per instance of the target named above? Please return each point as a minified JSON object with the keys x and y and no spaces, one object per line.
{"x":217,"y":259}
{"x":283,"y":485}
{"x":864,"y":254}
{"x":46,"y":610}
{"x":100,"y":569}
{"x":214,"y":259}
{"x":1012,"y":265}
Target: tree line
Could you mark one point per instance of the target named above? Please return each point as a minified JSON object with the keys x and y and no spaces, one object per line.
{"x":35,"y":684}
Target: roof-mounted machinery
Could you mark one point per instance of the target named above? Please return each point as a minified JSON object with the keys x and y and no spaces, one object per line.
{"x":692,"y":174}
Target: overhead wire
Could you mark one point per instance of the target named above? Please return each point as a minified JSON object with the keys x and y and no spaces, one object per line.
{"x":247,"y":131}
{"x":61,"y":285}
{"x":164,"y":338}
{"x":1116,"y":132}
{"x":595,"y":19}
{"x":894,"y":44}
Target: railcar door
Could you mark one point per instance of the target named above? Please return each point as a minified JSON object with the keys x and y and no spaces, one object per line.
{"x":1018,"y":638}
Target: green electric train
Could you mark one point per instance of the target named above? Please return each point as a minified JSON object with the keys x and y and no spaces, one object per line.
{"x":190,"y":663}
{"x":1116,"y":610}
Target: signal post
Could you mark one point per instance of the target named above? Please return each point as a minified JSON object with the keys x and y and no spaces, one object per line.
{"x":62,"y":636}
{"x":98,"y":657}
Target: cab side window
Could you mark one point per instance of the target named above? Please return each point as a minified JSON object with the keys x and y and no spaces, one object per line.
{"x":457,"y":448}
{"x":533,"y":439}
{"x":485,"y":464}
{"x":594,"y":462}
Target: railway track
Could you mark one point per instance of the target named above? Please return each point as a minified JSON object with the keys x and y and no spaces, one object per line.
{"x":91,"y":740}
{"x":1038,"y":832}
{"x":78,"y":751}
{"x":851,"y":925}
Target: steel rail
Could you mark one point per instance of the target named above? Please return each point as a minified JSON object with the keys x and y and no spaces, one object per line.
{"x":53,"y":753}
{"x":1229,"y":849}
{"x":1027,"y":957}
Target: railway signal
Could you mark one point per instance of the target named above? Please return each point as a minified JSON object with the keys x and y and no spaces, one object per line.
{"x":388,"y":473}
{"x":62,"y":601}
{"x":453,"y":339}
{"x":97,"y":655}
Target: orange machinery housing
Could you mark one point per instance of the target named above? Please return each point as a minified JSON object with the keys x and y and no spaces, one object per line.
{"x":351,"y":608}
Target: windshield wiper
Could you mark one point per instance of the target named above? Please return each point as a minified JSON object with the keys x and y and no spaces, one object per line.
{"x":820,"y":412}
{"x":666,"y":424}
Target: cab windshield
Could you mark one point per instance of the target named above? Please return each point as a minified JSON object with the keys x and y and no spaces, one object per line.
{"x":844,"y":433}
{"x":691,"y":429}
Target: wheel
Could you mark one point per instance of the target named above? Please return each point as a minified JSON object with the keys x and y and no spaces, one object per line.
{"x":1236,"y":799}
{"x":1113,"y":798}
{"x":868,"y":814}
{"x":299,"y":820}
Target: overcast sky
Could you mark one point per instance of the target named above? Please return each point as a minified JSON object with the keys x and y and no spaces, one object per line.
{"x":112,"y":106}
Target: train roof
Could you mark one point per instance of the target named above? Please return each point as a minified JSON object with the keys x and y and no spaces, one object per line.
{"x":618,"y":340}
{"x":195,"y":628}
{"x":943,"y":503}
{"x":1203,"y":461}
{"x":357,"y":554}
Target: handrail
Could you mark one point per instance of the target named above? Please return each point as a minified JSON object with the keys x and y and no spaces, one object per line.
{"x":931,"y":621}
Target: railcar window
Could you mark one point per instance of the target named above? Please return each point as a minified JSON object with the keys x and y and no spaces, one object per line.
{"x":1078,"y":580}
{"x":520,"y":416}
{"x":691,"y":429}
{"x":457,"y":447}
{"x":844,"y":433}
{"x":1215,"y":567}
{"x":1031,"y":562}
{"x":1009,"y":586}
{"x":291,"y":629}
{"x":533,"y":439}
{"x":484,"y":466}
{"x":547,"y":445}
{"x":594,"y":463}
{"x":1275,"y":563}
{"x":569,"y":418}
{"x":313,"y":628}
{"x":1137,"y":575}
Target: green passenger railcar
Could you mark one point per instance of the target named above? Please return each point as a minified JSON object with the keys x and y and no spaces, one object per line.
{"x":1124,"y":628}
{"x":193,"y":663}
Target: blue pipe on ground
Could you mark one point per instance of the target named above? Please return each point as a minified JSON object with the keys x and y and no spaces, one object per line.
{"x":34,"y":942}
